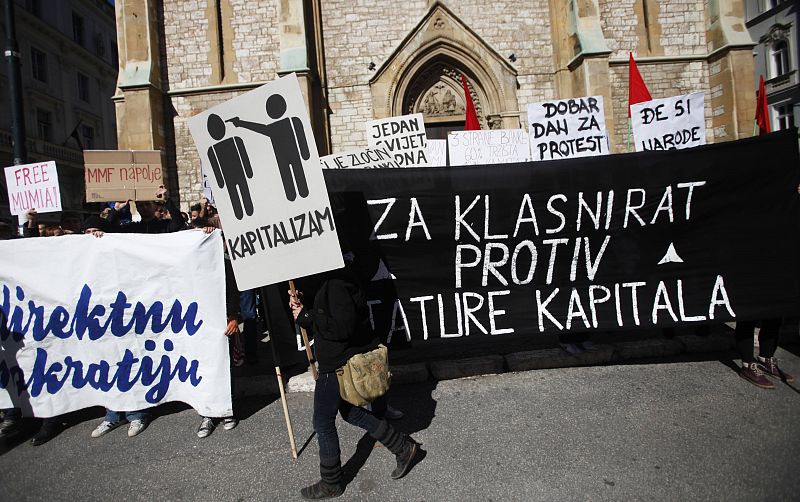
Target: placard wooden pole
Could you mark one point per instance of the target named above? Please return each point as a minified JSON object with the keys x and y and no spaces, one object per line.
{"x":311,"y":360}
{"x":278,"y":373}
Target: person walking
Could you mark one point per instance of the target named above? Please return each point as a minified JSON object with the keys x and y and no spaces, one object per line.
{"x":339,"y":322}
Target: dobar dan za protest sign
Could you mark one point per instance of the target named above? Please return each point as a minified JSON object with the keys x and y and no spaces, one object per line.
{"x":404,"y":136}
{"x":33,"y":186}
{"x":102,"y":332}
{"x":268,"y":184}
{"x":492,"y":146}
{"x":640,"y":241}
{"x":670,"y":123}
{"x":369,"y":158}
{"x":567,"y":128}
{"x":119,"y":175}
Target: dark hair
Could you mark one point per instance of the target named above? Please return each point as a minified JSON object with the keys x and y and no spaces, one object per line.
{"x":196,"y":207}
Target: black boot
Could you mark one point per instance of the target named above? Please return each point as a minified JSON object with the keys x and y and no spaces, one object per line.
{"x":405,"y":448}
{"x":330,"y":485}
{"x":51,"y":427}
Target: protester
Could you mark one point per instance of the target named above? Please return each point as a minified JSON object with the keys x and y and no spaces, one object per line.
{"x":754,"y":370}
{"x":339,"y":322}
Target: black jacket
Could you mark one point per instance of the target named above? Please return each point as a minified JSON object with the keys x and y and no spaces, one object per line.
{"x":339,"y":320}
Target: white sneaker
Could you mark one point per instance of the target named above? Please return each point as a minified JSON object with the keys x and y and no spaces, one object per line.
{"x":136,"y":427}
{"x":207,"y":426}
{"x":229,"y":423}
{"x":104,"y":428}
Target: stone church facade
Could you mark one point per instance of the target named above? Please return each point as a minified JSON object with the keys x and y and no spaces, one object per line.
{"x":359,"y":60}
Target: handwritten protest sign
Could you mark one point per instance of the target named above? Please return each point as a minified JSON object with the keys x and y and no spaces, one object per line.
{"x":33,"y":186}
{"x":670,"y":123}
{"x":437,"y":152}
{"x":403,"y":136}
{"x":268,"y":184}
{"x":567,"y":128}
{"x":498,"y":146}
{"x":82,"y":336}
{"x":116,"y":175}
{"x":370,"y":158}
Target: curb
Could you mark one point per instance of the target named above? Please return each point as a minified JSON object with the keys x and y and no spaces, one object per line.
{"x":546,"y":358}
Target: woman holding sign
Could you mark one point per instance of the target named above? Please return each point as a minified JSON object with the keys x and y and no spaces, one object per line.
{"x":339,"y":321}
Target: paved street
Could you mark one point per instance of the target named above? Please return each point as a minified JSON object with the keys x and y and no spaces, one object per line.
{"x":666,"y":430}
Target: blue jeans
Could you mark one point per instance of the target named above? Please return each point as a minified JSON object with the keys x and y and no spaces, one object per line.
{"x":119,"y":416}
{"x":327,"y":402}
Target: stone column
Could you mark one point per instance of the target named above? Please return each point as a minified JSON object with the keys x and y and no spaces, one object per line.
{"x":731,"y":71}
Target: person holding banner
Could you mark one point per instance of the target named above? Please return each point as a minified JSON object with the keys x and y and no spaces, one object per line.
{"x":339,"y":321}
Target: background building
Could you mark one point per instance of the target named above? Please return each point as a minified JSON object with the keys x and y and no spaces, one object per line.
{"x":773,"y":25}
{"x":69,"y":69}
{"x":359,"y":60}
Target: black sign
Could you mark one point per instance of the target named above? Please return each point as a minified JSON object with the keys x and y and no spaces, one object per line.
{"x":705,"y":235}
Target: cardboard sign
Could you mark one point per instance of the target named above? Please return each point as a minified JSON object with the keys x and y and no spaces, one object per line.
{"x":672,"y":123}
{"x":403,"y":136}
{"x":498,"y":146}
{"x":268,"y":185}
{"x":33,"y":186}
{"x":567,"y":128}
{"x":370,"y":158}
{"x":437,"y":152}
{"x":118,"y":175}
{"x":75,"y":337}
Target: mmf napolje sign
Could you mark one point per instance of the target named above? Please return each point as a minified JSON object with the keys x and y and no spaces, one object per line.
{"x":33,"y":186}
{"x":100,"y":333}
{"x":644,"y":240}
{"x":268,"y":184}
{"x":118,"y":175}
{"x":567,"y":128}
{"x":671,"y":123}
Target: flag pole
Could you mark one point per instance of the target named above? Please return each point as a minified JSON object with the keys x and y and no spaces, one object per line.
{"x":278,"y":375}
{"x":311,"y":360}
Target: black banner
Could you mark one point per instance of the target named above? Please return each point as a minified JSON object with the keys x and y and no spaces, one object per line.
{"x":705,"y":235}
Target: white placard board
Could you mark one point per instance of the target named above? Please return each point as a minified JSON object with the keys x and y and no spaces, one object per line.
{"x":268,"y":185}
{"x":369,"y":158}
{"x":567,"y":128}
{"x":404,"y":136}
{"x":33,"y":186}
{"x":672,"y":123}
{"x":129,"y":332}
{"x":493,"y":146}
{"x":437,"y":152}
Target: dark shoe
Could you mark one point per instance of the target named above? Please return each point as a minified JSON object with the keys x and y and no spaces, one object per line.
{"x":407,"y":458}
{"x":47,"y":432}
{"x":321,"y":490}
{"x":770,"y":367}
{"x":752,"y":373}
{"x":9,"y":427}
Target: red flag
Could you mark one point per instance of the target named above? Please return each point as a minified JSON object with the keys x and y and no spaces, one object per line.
{"x":471,"y":123}
{"x":762,"y":111}
{"x":637,"y":91}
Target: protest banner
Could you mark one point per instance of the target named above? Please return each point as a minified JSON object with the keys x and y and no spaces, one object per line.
{"x":33,"y":186}
{"x":403,"y":136}
{"x":670,"y":123}
{"x":492,"y":146}
{"x":437,"y":152}
{"x":646,"y":240}
{"x":567,"y":128}
{"x":135,"y":321}
{"x":369,"y":158}
{"x":119,"y":175}
{"x":268,"y":184}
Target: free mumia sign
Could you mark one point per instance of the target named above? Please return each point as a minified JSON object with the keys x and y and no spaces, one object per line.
{"x":259,"y":151}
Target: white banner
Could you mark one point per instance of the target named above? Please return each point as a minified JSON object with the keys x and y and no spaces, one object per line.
{"x":567,"y":128}
{"x":369,"y":158}
{"x":134,"y":320}
{"x":403,"y":136}
{"x":437,"y":152}
{"x":492,"y":146}
{"x":268,"y":184}
{"x":672,"y":123}
{"x":33,"y":186}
